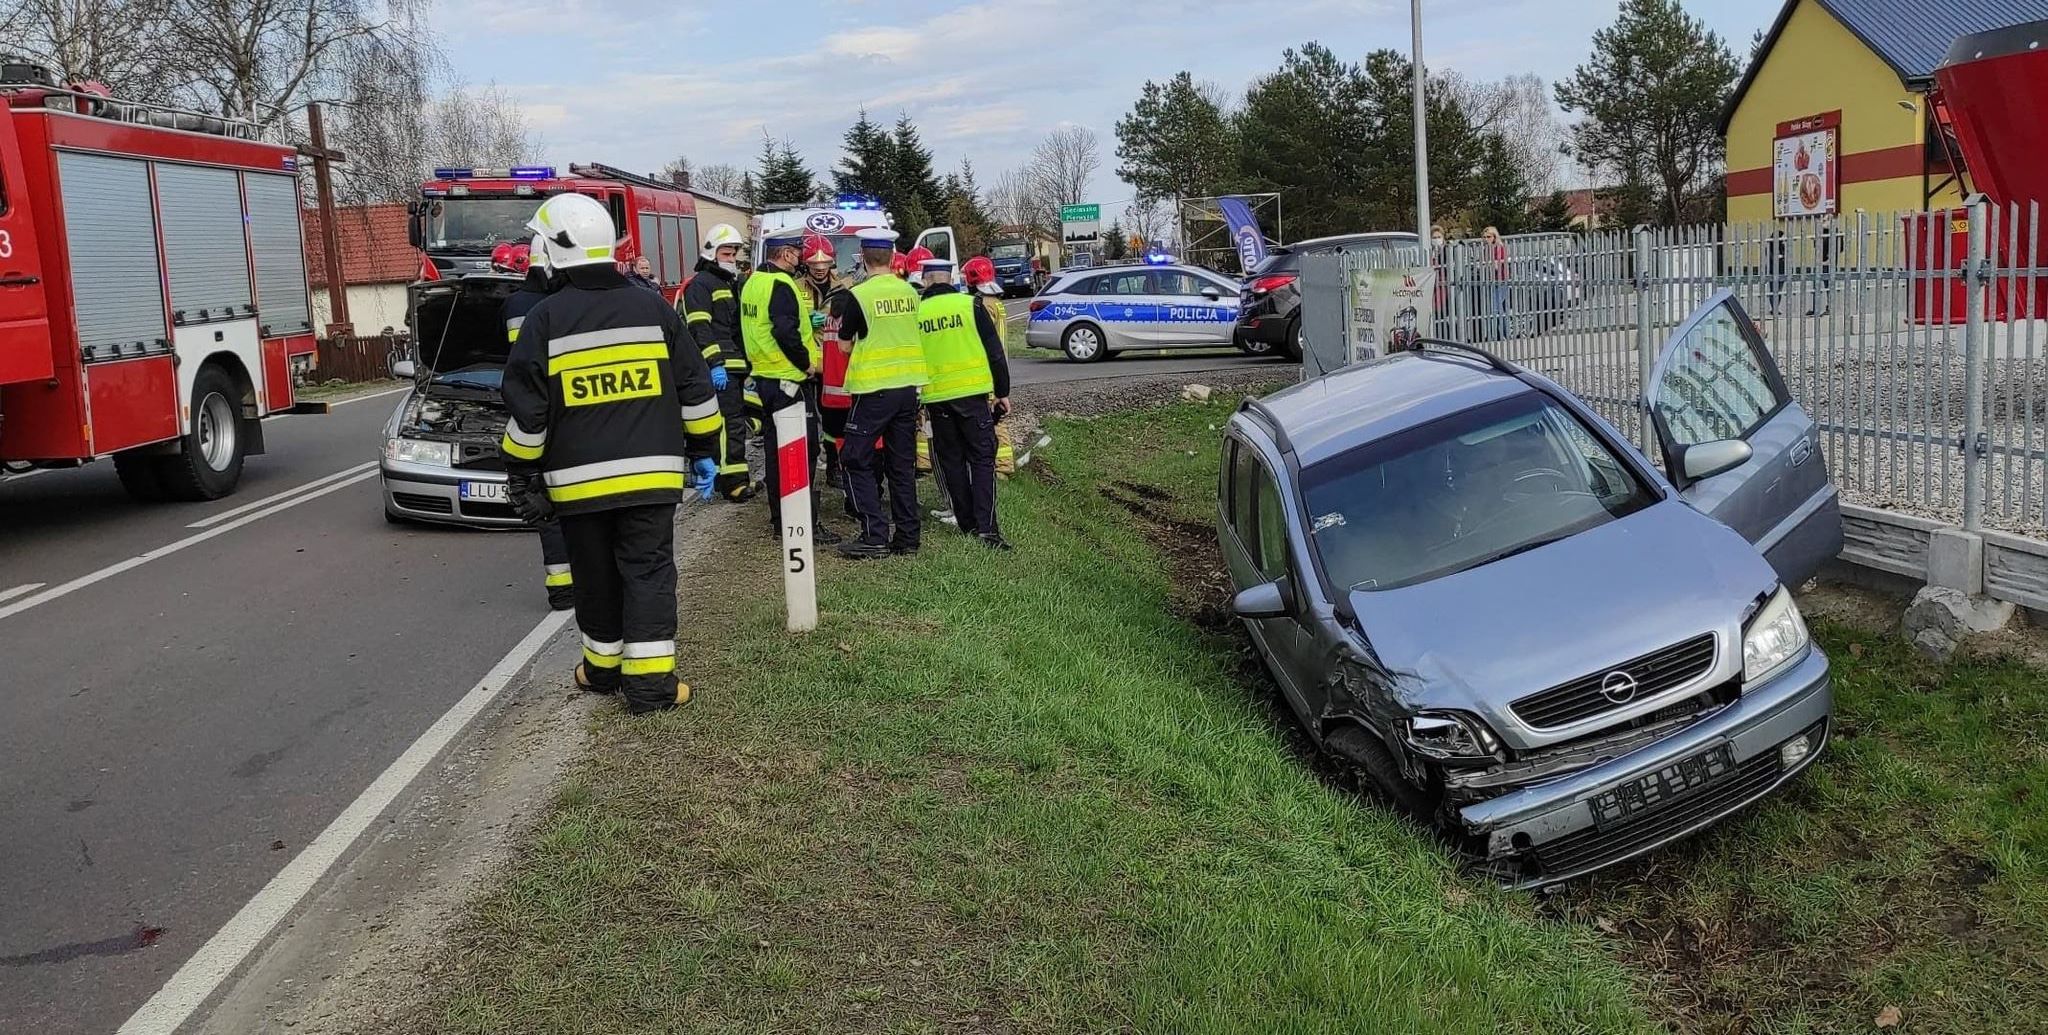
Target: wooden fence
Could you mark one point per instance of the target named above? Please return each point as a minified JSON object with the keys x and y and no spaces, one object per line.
{"x":360,"y":357}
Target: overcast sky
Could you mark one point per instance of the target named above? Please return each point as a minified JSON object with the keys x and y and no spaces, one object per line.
{"x":634,"y":83}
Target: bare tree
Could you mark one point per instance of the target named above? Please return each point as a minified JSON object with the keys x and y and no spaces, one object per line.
{"x":676,"y":171}
{"x":1518,"y":109}
{"x":1148,"y":219}
{"x":122,"y":43}
{"x":1009,"y":199}
{"x":261,"y":59}
{"x":392,"y":148}
{"x":1060,"y":169}
{"x":720,"y":179}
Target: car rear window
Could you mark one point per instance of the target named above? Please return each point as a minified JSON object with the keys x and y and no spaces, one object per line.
{"x":1275,"y":262}
{"x":1464,"y":491}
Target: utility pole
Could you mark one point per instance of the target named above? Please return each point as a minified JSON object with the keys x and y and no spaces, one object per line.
{"x":1421,"y":131}
{"x":330,"y":234}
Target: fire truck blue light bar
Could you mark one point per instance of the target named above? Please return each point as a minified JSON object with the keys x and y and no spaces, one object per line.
{"x":451,"y":173}
{"x":533,"y":172}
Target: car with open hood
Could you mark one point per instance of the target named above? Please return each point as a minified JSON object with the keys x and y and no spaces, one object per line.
{"x":441,"y":462}
{"x":1510,"y":621}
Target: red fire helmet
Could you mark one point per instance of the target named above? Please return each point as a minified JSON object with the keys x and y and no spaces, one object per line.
{"x":978,"y":271}
{"x":818,"y":248}
{"x":917,"y":257}
{"x":900,"y":265}
{"x":508,"y":257}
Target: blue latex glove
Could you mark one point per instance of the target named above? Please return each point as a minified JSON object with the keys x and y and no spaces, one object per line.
{"x":703,"y":471}
{"x":719,"y":379}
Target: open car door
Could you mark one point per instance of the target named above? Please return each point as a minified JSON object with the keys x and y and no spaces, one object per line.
{"x":25,"y":353}
{"x":1737,"y":446}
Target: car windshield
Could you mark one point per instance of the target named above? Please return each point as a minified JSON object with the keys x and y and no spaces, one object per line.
{"x":1464,"y":491}
{"x":477,"y":224}
{"x":486,"y":376}
{"x":1006,"y":251}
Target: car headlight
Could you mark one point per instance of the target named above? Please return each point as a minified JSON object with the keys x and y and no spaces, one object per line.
{"x":417,"y":451}
{"x":1450,"y":736}
{"x":1774,"y":638}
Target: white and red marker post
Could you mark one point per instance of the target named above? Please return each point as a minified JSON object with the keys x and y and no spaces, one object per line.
{"x":800,"y":563}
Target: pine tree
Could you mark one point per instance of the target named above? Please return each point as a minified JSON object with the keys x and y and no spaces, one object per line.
{"x":749,"y":191}
{"x":1115,"y":246}
{"x":1554,"y":214}
{"x":1502,"y":198}
{"x":914,"y":190}
{"x":784,"y":178}
{"x":865,"y":167}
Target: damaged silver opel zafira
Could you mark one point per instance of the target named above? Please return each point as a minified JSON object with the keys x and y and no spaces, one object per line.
{"x":1479,"y":594}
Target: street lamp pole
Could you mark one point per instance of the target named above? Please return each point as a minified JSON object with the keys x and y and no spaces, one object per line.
{"x":1421,"y":129}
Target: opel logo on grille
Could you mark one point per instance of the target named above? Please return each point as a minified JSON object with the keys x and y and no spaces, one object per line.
{"x":1618,"y":687}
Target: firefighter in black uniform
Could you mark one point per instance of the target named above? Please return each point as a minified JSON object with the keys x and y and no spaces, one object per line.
{"x":711,"y":312}
{"x":531,"y":262}
{"x":613,"y":423}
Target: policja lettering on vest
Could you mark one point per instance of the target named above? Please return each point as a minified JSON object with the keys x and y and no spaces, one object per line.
{"x":963,"y":349}
{"x":609,"y":456}
{"x":879,"y":316}
{"x":775,"y":328}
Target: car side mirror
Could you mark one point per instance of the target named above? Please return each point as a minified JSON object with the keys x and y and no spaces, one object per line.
{"x":1711,"y":458}
{"x":404,"y":369}
{"x":1212,"y":293}
{"x":1269,"y":600}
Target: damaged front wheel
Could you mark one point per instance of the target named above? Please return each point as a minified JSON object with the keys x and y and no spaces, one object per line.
{"x":1370,"y":755}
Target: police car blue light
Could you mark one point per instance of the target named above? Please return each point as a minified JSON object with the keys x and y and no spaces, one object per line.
{"x":1156,"y":304}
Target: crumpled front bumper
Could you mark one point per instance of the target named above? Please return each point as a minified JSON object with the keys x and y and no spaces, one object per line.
{"x":1546,"y":833}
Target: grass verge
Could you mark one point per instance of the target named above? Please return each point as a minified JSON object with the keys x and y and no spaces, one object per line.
{"x":995,"y":793}
{"x":1026,"y":794}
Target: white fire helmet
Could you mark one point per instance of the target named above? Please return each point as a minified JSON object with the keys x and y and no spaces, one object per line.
{"x":720,"y":236}
{"x":537,"y":253}
{"x":576,"y":229}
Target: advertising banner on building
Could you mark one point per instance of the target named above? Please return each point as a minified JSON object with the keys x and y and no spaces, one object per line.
{"x":1806,"y":166}
{"x":1244,"y":231}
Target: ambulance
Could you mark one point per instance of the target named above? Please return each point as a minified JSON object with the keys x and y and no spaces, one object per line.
{"x":841,"y":222}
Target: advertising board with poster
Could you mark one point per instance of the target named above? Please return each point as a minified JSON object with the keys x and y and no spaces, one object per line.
{"x":1806,"y":166}
{"x":1390,"y":308}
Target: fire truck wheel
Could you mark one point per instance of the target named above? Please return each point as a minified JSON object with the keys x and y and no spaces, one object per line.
{"x":211,"y":462}
{"x":139,"y":475}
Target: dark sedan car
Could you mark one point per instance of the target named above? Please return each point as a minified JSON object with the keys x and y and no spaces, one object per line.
{"x":1479,"y":594}
{"x":1270,"y":320}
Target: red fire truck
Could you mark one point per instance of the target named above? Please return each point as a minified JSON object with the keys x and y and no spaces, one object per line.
{"x":464,"y":213}
{"x":152,"y":288}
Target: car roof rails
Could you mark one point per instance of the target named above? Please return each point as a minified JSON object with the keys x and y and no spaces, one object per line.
{"x":1497,"y":363}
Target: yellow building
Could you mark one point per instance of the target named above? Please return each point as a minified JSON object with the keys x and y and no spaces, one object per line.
{"x":1831,"y":117}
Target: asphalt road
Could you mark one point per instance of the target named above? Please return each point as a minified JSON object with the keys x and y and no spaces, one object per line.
{"x":172,"y":734}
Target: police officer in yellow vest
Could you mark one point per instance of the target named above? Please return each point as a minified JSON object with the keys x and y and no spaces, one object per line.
{"x":879,"y":317}
{"x":963,"y":355}
{"x":782,"y":348}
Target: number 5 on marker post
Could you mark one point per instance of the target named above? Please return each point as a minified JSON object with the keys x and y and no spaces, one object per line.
{"x":799,"y":564}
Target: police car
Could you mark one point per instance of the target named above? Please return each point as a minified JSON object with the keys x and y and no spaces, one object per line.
{"x":1156,"y":304}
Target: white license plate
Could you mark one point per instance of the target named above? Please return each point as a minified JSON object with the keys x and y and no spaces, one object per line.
{"x":484,"y":492}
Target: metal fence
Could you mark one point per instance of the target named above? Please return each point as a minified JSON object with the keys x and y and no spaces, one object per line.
{"x":1915,"y":341}
{"x":364,"y":357}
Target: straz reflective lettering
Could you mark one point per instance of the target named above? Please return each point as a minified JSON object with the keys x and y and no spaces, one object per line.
{"x":949,"y":322}
{"x":611,"y":384}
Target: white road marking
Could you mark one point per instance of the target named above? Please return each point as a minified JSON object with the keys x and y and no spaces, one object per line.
{"x":5,"y":478}
{"x":372,"y":395}
{"x":215,"y":519}
{"x":10,"y":594}
{"x":137,"y":561}
{"x":224,"y":953}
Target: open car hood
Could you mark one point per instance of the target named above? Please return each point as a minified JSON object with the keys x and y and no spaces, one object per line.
{"x":459,"y":324}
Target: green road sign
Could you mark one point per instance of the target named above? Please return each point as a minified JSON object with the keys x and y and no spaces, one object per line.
{"x":1080,"y":213}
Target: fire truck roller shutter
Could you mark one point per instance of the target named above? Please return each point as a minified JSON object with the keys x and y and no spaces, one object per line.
{"x":206,"y":261}
{"x":110,"y":234}
{"x":280,"y":259}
